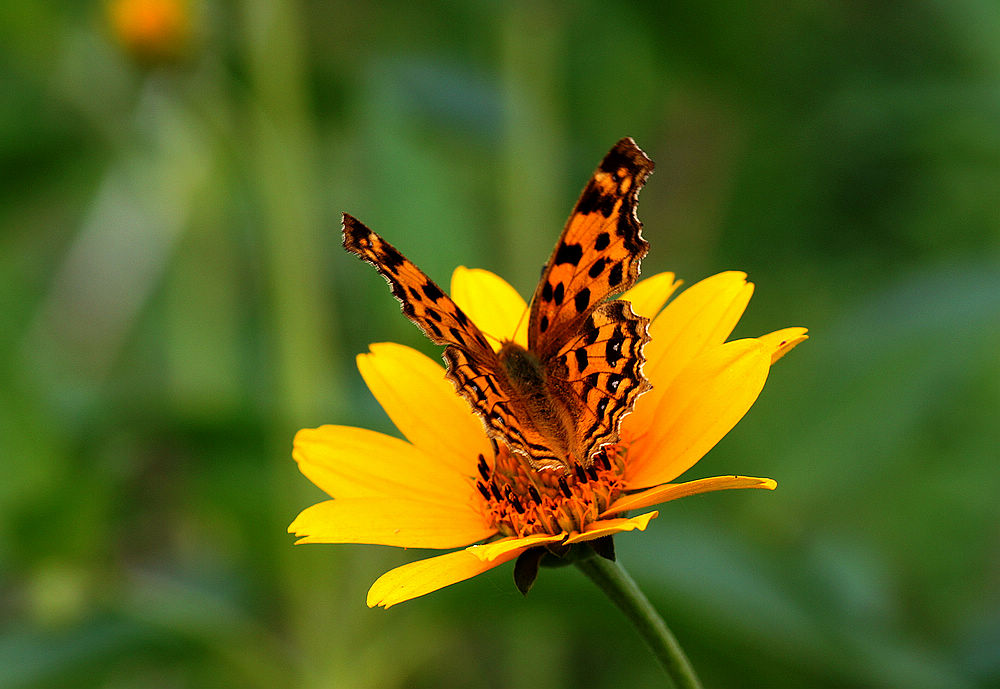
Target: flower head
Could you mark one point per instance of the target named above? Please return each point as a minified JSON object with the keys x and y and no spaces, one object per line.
{"x":152,"y":31}
{"x":448,"y":486}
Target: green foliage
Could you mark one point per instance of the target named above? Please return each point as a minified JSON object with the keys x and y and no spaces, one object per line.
{"x":174,"y":305}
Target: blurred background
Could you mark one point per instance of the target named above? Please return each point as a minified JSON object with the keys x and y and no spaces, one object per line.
{"x":175,"y":304}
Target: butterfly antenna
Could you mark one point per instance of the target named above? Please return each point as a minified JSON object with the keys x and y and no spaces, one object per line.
{"x":494,"y":338}
{"x":520,"y":320}
{"x":500,"y":340}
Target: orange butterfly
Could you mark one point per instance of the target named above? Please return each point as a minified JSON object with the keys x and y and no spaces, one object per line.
{"x":562,"y":399}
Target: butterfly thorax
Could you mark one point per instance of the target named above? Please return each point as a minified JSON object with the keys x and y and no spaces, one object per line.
{"x":527,"y":376}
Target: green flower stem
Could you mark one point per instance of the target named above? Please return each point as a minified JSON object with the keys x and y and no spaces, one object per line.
{"x":612,"y":578}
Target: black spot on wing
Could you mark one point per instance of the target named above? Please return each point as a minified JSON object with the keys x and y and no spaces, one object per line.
{"x":613,"y":348}
{"x":614,"y":380}
{"x":603,"y":241}
{"x":547,"y":291}
{"x":559,"y":293}
{"x":582,"y":300}
{"x":581,"y":359}
{"x":391,"y":258}
{"x":569,"y":253}
{"x":615,"y":275}
{"x":597,"y":267}
{"x":432,"y":291}
{"x":594,"y":200}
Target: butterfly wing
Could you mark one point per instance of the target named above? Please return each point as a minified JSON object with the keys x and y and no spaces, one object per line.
{"x":503,"y":410}
{"x":598,"y":375}
{"x":598,"y":253}
{"x":472,"y":363}
{"x":422,"y":301}
{"x":591,"y":347}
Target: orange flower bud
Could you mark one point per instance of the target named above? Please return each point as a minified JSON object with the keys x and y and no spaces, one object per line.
{"x":152,"y":31}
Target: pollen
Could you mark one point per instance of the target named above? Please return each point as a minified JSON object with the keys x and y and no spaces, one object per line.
{"x":522,"y":501}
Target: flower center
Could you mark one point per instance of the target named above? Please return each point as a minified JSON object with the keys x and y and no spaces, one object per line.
{"x":520,"y":501}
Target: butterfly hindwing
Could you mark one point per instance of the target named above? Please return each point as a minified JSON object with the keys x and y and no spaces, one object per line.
{"x":500,"y":409}
{"x":598,"y":253}
{"x":600,"y":374}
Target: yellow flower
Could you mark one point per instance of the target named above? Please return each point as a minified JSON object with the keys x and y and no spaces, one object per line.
{"x":438,"y":489}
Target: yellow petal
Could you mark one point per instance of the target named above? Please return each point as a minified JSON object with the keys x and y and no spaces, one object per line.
{"x":672,"y":491}
{"x":702,"y":404}
{"x":607,"y":527}
{"x":349,"y":462}
{"x":424,"y":576}
{"x":701,"y":317}
{"x":492,"y":304}
{"x":424,"y":406}
{"x":491,"y":551}
{"x":390,"y":521}
{"x":780,"y":342}
{"x":648,"y":296}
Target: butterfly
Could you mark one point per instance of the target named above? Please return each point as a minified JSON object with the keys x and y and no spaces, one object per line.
{"x":561,"y":399}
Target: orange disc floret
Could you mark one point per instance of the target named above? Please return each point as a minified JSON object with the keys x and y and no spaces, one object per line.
{"x":520,"y":500}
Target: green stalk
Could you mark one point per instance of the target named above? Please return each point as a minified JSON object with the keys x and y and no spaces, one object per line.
{"x":612,"y":578}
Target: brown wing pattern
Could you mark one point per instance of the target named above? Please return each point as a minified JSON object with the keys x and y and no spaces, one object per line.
{"x":601,"y":374}
{"x":597,"y":255}
{"x":472,"y":363}
{"x":422,"y":301}
{"x":501,"y":412}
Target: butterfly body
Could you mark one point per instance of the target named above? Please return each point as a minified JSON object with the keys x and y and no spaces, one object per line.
{"x":561,"y":398}
{"x":540,"y":396}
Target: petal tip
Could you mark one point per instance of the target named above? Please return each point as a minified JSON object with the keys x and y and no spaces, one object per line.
{"x":783,"y":341}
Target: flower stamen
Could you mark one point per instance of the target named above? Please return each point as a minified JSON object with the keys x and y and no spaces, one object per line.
{"x":519,"y":500}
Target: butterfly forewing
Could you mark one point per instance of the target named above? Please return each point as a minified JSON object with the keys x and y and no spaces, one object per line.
{"x":598,"y":253}
{"x":422,"y":301}
{"x":472,"y":364}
